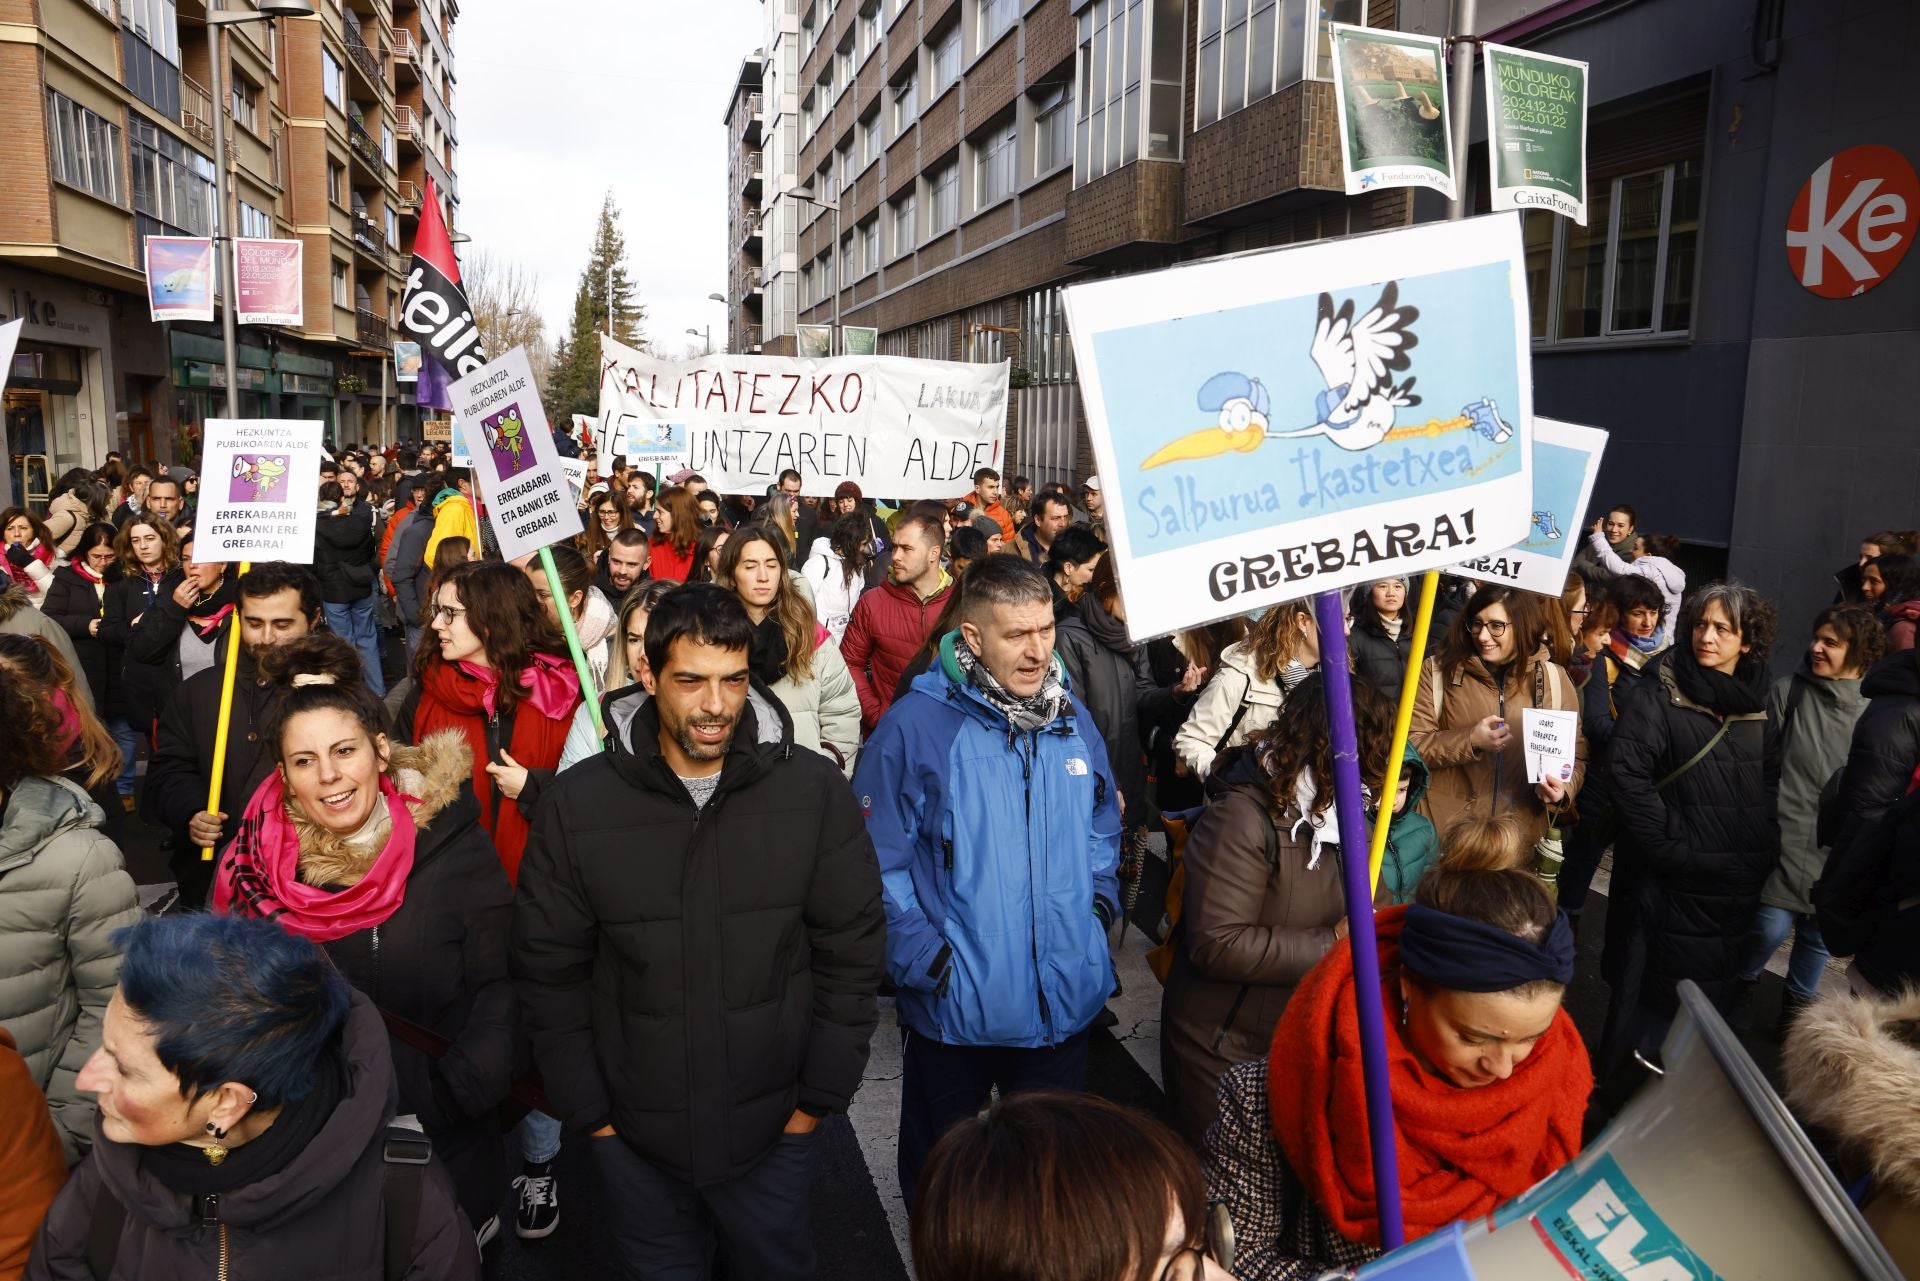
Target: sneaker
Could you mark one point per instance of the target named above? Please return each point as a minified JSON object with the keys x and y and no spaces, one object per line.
{"x":539,"y":1202}
{"x":486,"y":1232}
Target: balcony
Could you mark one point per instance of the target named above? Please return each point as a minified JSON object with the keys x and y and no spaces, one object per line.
{"x":366,"y":62}
{"x":406,"y":127}
{"x":409,"y":199}
{"x":750,"y":173}
{"x":196,"y":109}
{"x":371,"y":328}
{"x":406,"y":54}
{"x":750,"y":339}
{"x":368,"y":237}
{"x":750,"y":241}
{"x":751,"y":121}
{"x":366,"y":148}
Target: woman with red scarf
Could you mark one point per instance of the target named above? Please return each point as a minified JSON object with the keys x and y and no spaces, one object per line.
{"x":28,"y":552}
{"x":500,"y":675}
{"x":375,"y":852}
{"x":1489,"y":1079}
{"x":676,"y":527}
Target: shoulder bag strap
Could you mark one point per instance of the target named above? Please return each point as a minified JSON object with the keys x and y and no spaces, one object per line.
{"x":1239,"y":711}
{"x":1697,"y":757}
{"x":103,"y":1232}
{"x":405,"y":1157}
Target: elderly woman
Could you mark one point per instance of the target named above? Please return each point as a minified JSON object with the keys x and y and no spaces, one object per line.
{"x":63,"y":891}
{"x":1488,"y":1075}
{"x":245,"y":1100}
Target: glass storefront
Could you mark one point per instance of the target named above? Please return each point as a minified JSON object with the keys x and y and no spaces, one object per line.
{"x":42,"y":408}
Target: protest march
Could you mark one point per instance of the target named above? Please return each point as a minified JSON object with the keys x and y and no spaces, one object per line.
{"x":1229,"y":664}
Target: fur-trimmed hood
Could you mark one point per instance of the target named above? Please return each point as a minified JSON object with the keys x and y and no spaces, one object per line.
{"x":431,"y":775}
{"x":1853,"y":1067}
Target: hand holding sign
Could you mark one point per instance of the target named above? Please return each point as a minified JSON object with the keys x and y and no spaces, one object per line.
{"x":1552,"y":739}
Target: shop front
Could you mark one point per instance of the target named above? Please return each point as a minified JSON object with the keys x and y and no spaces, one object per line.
{"x":59,"y":406}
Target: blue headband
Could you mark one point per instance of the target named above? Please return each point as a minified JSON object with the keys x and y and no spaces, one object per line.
{"x":1469,"y":956}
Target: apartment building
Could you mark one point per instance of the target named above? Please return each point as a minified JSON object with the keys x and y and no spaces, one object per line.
{"x":106,"y":137}
{"x":746,"y":176}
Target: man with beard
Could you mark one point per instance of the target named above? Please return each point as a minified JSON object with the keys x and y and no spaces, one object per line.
{"x":698,"y":939}
{"x":889,"y":625}
{"x":278,"y":603}
{"x":624,"y":567}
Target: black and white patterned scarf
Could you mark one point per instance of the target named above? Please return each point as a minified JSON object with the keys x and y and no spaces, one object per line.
{"x":1024,"y":714}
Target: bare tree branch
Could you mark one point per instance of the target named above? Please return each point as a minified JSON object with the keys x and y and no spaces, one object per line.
{"x":506,"y":307}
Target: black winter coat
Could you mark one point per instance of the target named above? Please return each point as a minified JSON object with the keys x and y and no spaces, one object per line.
{"x":345,"y":555}
{"x":152,"y":645}
{"x":181,"y":766}
{"x":1379,"y":658}
{"x":440,"y":961}
{"x":73,"y":603}
{"x":322,"y":1216}
{"x":691,"y":976}
{"x":1689,"y":861}
{"x":1886,"y":739}
{"x":1112,"y":683}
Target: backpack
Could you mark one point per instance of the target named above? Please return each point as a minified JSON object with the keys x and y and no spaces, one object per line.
{"x":406,"y":1153}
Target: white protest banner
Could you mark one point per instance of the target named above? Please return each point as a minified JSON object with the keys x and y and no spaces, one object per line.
{"x":259,"y":490}
{"x":9,"y":339}
{"x":518,"y":471}
{"x":1536,"y":131}
{"x":1551,"y":740}
{"x":1390,"y":100}
{"x":900,"y":429}
{"x":266,"y":276}
{"x":1566,"y":459}
{"x":1258,"y":429}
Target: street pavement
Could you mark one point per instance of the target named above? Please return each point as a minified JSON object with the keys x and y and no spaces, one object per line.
{"x":860,"y":1224}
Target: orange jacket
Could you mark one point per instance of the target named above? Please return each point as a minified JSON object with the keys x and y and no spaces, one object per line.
{"x":30,"y":1154}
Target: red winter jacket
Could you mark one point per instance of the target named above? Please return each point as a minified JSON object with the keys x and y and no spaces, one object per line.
{"x":889,"y":625}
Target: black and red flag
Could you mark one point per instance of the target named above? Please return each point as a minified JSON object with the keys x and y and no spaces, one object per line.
{"x":435,"y":312}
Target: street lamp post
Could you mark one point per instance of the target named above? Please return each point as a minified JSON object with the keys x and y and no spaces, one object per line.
{"x":706,"y":338}
{"x":266,"y":11}
{"x":805,"y":196}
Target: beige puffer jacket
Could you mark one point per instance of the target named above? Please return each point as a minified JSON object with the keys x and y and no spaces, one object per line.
{"x":67,"y":519}
{"x":63,"y":894}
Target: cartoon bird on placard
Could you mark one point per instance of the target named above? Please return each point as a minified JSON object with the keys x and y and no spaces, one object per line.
{"x":1357,"y":359}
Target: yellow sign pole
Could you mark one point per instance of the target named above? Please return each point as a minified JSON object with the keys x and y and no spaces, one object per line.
{"x":1402,"y":724}
{"x":226,"y":711}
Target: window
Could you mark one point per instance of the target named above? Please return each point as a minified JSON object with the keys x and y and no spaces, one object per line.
{"x":1052,"y":130}
{"x":943,"y":62}
{"x":995,"y":165}
{"x":1249,"y":49}
{"x":254,"y":223}
{"x":943,"y":198}
{"x":172,"y":183}
{"x":153,"y":21}
{"x":246,"y":105}
{"x":866,"y":136}
{"x":333,"y":80}
{"x":387,"y":146}
{"x":340,"y":284}
{"x":843,"y":64}
{"x":807,"y":116}
{"x":843,"y":163}
{"x":990,"y":19}
{"x":906,"y":102}
{"x":336,"y":182}
{"x":86,"y":148}
{"x":869,"y":246}
{"x":1130,"y":79}
{"x":906,"y":224}
{"x":869,"y":29}
{"x":806,"y":286}
{"x":1629,"y":272}
{"x":393,"y":228}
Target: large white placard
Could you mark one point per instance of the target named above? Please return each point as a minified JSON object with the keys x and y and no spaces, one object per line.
{"x":1283,"y":423}
{"x":900,"y":429}
{"x":1566,"y":458}
{"x":497,"y":411}
{"x":259,"y":490}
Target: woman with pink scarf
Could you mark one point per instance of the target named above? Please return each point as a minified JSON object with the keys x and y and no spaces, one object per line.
{"x":374,"y":850}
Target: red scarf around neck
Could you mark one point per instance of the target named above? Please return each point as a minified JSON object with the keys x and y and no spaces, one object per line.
{"x":1462,"y":1152}
{"x":452,"y":699}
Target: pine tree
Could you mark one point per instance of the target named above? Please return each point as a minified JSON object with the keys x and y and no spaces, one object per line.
{"x":576,"y":365}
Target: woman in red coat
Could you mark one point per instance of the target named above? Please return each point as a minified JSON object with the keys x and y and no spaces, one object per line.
{"x":500,"y":674}
{"x":676,"y":527}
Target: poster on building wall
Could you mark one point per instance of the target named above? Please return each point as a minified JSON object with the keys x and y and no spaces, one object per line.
{"x":1390,"y":96}
{"x":259,"y":490}
{"x":813,"y":342}
{"x":516,"y":468}
{"x":859,"y":340}
{"x":266,"y":276}
{"x":406,"y":362}
{"x":1307,"y":419}
{"x":900,"y":429}
{"x":1537,"y":131}
{"x":180,"y":277}
{"x":1566,"y":459}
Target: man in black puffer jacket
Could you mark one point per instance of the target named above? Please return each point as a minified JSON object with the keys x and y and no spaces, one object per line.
{"x":698,"y":939}
{"x":1695,"y":772}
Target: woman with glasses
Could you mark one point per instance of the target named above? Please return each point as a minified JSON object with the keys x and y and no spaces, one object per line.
{"x":1488,"y":1076}
{"x":607,"y":515}
{"x":1046,"y":1184}
{"x":1468,"y":713}
{"x":498,"y":672}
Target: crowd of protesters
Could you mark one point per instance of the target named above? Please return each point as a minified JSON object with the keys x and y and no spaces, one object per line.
{"x":454,"y":883}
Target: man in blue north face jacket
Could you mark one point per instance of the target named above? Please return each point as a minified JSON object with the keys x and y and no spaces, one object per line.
{"x":992,"y":808}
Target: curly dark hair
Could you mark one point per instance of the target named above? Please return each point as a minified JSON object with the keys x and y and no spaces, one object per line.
{"x":1753,"y":616}
{"x":1299,"y":741}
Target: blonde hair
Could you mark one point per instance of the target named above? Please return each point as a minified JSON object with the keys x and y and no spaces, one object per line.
{"x":1483,"y":843}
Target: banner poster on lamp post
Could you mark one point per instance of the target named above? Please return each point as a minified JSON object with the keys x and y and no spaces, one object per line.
{"x":1537,"y":131}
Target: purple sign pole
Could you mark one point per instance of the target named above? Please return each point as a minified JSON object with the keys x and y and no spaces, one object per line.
{"x":1331,"y":616}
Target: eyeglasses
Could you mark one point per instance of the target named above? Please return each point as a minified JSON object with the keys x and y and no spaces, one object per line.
{"x":1190,"y":1262}
{"x":448,"y":612}
{"x":1492,"y":627}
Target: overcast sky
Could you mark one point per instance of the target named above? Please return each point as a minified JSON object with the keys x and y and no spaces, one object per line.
{"x":561,"y":100}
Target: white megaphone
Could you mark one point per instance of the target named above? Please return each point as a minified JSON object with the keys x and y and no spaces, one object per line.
{"x":1705,"y":1176}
